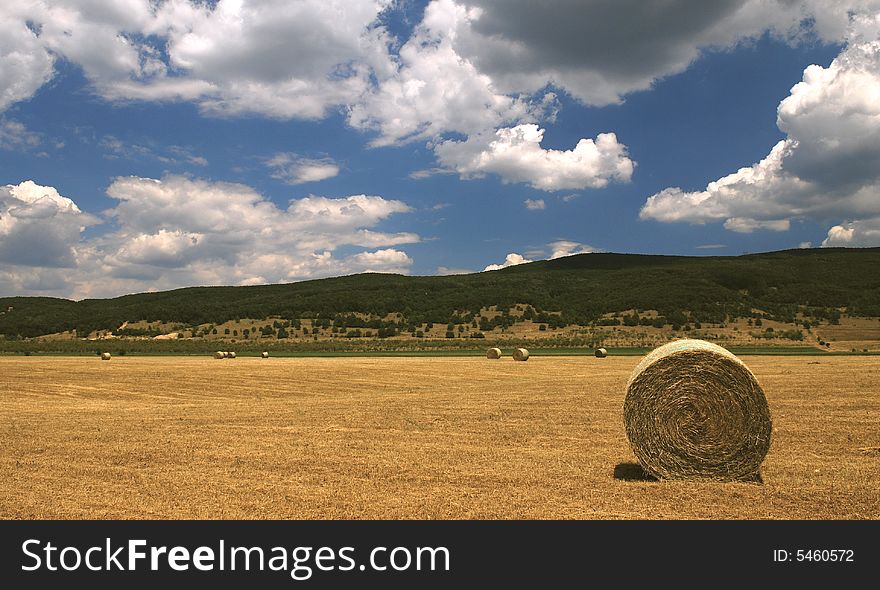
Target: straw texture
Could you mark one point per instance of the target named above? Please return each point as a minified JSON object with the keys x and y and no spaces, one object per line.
{"x":693,"y":410}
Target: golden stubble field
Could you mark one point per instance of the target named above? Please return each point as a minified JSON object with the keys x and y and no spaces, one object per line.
{"x":427,"y":438}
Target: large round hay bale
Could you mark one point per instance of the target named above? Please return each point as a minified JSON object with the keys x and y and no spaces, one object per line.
{"x":231,"y":355}
{"x":493,"y":353}
{"x":601,"y":353}
{"x":264,"y":355}
{"x":695,"y":411}
{"x":520,"y":354}
{"x":219,"y":354}
{"x":105,"y":356}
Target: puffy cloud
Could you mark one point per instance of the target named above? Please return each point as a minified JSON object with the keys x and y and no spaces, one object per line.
{"x":826,"y":169}
{"x":601,"y":50}
{"x":515,"y":154}
{"x":469,"y":65}
{"x":39,"y":227}
{"x":558,"y":249}
{"x":433,"y":90}
{"x":346,"y":213}
{"x":511,"y":259}
{"x":474,"y":66}
{"x":25,"y":63}
{"x":562,"y":248}
{"x":481,"y":69}
{"x":294,"y":169}
{"x":273,"y":57}
{"x":31,"y":193}
{"x":278,"y":58}
{"x":535,"y":204}
{"x":179,"y":231}
{"x":387,"y":260}
{"x":865,"y":232}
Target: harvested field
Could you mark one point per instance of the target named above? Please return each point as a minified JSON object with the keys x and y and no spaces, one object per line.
{"x":176,"y":437}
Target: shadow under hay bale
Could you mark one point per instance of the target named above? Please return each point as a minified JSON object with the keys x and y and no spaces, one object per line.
{"x":695,"y":411}
{"x":632,"y":472}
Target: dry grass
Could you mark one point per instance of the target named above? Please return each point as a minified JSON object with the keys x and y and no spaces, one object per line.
{"x":404,"y":438}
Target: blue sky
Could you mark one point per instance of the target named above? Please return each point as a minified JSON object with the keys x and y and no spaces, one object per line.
{"x":152,"y":146}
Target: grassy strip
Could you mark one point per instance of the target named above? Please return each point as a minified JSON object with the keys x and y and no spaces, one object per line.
{"x":535,"y":352}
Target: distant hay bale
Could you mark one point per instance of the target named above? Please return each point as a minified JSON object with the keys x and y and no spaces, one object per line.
{"x":219,"y":354}
{"x":520,"y":354}
{"x":105,"y":356}
{"x":264,"y":355}
{"x":231,"y":355}
{"x":601,"y":353}
{"x":493,"y":353}
{"x":695,"y":411}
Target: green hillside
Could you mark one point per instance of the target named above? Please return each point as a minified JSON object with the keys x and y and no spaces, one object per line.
{"x":580,"y":288}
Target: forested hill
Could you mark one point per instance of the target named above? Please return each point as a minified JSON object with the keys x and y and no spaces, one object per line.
{"x":581,"y":287}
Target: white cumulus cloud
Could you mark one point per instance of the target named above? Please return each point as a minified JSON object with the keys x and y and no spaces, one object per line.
{"x":515,"y":155}
{"x":430,"y":89}
{"x":864,"y":232}
{"x":562,"y":248}
{"x":276,"y":58}
{"x":511,"y":259}
{"x":25,"y":62}
{"x":826,"y":169}
{"x":601,"y":50}
{"x":39,"y":227}
{"x":468,"y":66}
{"x":178,"y":231}
{"x":557,"y":249}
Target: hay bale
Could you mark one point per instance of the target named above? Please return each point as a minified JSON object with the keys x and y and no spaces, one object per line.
{"x":105,"y":356}
{"x":219,"y":354}
{"x":601,"y":353}
{"x":520,"y":354}
{"x":493,"y":353}
{"x":264,"y":355}
{"x":231,"y":355}
{"x":695,"y":411}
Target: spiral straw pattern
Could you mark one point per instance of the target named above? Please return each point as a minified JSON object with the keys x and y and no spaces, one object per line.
{"x":693,"y":410}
